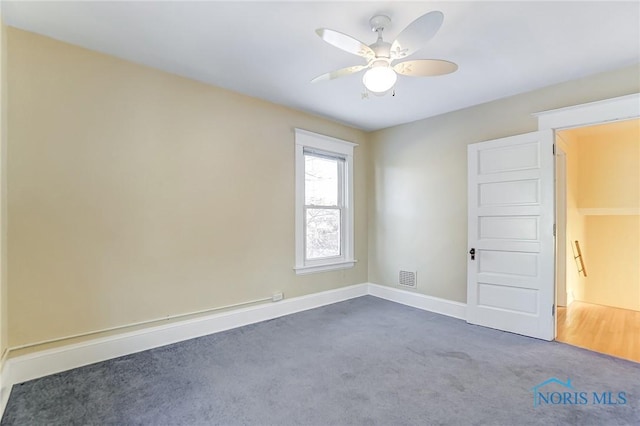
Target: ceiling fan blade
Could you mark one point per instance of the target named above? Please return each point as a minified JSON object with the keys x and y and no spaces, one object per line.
{"x":346,"y":43}
{"x":416,"y":34}
{"x":339,"y":73}
{"x":425,"y":67}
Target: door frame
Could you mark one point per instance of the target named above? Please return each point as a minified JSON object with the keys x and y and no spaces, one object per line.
{"x":561,"y":225}
{"x":605,"y":111}
{"x":592,"y":113}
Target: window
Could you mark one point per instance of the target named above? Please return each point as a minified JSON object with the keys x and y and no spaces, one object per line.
{"x":324,"y":203}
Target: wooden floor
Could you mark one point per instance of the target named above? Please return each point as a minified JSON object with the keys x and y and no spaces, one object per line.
{"x":604,"y":329}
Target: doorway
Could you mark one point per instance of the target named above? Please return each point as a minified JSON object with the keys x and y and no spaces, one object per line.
{"x":598,"y":237}
{"x":511,"y":200}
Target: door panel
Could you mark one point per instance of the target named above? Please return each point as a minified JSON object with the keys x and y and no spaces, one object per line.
{"x":509,"y":193}
{"x":519,"y":300}
{"x":511,"y":211}
{"x":507,"y":263}
{"x":504,"y":159}
{"x":508,"y":228}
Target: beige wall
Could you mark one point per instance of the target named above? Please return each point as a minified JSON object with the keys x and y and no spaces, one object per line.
{"x":418,"y":211}
{"x":135,"y":194}
{"x":4,"y":312}
{"x":612,"y":262}
{"x":610,"y":165}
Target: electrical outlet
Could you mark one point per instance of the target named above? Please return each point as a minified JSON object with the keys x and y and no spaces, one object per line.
{"x":277,"y":297}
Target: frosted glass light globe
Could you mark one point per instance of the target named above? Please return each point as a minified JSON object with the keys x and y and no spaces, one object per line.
{"x":379,"y":79}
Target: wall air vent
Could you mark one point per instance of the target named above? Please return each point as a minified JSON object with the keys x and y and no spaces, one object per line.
{"x":407,"y":279}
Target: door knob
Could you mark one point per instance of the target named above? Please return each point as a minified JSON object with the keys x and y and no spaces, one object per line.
{"x":472,"y":252}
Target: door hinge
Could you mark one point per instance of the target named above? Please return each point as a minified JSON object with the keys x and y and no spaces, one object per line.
{"x":553,"y":310}
{"x":554,"y":229}
{"x":554,"y":149}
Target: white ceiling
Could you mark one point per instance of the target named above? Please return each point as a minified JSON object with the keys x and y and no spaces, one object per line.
{"x":269,"y":50}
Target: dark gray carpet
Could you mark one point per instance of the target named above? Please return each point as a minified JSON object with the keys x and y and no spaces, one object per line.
{"x":363,"y":361}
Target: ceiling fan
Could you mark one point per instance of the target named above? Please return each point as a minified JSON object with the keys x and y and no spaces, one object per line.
{"x":381,"y":75}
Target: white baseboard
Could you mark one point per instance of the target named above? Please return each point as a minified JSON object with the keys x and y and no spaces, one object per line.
{"x":5,"y":388}
{"x":420,"y":301}
{"x":51,"y":361}
{"x":43,"y":363}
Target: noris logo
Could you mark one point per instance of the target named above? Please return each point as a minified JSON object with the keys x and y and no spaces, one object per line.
{"x":546,"y":393}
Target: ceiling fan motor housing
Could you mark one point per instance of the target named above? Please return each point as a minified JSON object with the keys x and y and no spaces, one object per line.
{"x":381,"y":48}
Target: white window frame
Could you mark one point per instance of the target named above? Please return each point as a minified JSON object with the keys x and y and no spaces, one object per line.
{"x":339,"y":148}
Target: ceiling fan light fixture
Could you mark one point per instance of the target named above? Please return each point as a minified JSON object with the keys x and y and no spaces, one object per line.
{"x":379,"y":80}
{"x":380,"y":76}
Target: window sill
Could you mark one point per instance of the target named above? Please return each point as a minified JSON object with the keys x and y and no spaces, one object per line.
{"x":303,"y":270}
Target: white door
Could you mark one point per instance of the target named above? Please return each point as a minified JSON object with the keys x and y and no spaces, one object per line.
{"x":510,"y":278}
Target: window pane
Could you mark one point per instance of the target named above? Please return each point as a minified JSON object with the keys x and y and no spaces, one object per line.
{"x":320,"y":181}
{"x":323,"y":233}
